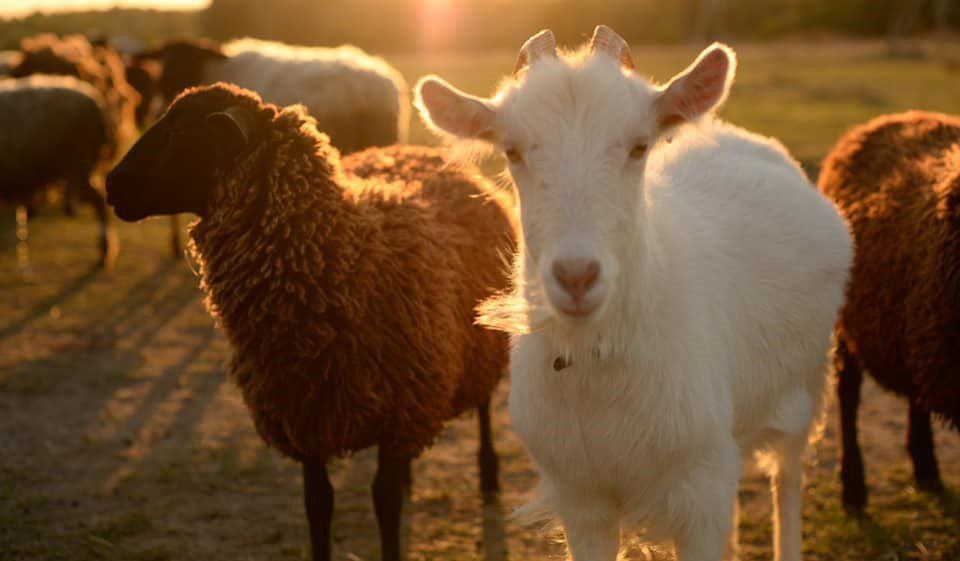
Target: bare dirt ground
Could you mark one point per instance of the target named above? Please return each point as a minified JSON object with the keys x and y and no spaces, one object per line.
{"x":122,"y":439}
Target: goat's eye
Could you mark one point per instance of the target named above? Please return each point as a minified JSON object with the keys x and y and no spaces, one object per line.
{"x":638,"y":151}
{"x":513,"y":155}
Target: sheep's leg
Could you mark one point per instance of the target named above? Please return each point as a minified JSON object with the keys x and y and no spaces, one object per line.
{"x":318,"y":501}
{"x":593,"y":532}
{"x":23,"y":250}
{"x":68,"y":209}
{"x":849,"y":379}
{"x":391,"y":489}
{"x":786,"y":484}
{"x":487,"y":456}
{"x":176,"y":245}
{"x":108,"y":235}
{"x":921,"y":447}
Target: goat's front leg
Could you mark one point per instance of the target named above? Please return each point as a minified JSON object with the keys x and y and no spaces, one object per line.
{"x":592,"y":530}
{"x":706,"y":502}
{"x":732,"y":547}
{"x":786,"y":485}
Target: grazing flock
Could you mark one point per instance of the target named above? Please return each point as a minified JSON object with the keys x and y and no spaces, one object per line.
{"x":677,"y":291}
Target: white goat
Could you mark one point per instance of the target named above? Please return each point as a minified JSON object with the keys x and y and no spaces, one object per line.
{"x":675,"y":300}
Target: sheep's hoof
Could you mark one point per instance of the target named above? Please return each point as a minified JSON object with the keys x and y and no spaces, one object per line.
{"x":855,"y":500}
{"x":856,"y":510}
{"x":930,"y":485}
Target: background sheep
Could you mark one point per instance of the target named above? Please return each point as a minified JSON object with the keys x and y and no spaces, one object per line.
{"x":897,"y":181}
{"x":102,"y":67}
{"x":348,"y":302}
{"x":661,"y":333}
{"x":53,"y":130}
{"x":99,"y":66}
{"x":357,"y":99}
{"x":143,"y":76}
{"x":8,"y":59}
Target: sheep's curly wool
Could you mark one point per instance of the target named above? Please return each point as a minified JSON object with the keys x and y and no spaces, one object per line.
{"x":897,"y":181}
{"x":347,"y":289}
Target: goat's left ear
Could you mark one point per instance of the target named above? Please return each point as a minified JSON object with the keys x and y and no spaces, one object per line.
{"x":230,"y":129}
{"x":446,"y":109}
{"x":699,"y":89}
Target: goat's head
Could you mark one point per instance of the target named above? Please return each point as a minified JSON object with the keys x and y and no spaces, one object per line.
{"x":576,"y":129}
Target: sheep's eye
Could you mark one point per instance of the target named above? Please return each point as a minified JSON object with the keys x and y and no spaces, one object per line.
{"x":513,"y":155}
{"x":638,"y":151}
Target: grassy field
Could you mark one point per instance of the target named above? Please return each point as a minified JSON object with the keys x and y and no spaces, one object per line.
{"x":121,"y":438}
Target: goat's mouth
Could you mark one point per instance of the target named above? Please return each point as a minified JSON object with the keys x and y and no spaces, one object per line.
{"x":578,"y":312}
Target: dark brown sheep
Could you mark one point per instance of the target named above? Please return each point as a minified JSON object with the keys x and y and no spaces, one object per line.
{"x":346,"y":289}
{"x":897,"y":181}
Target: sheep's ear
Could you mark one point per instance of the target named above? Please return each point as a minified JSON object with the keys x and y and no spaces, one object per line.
{"x":231,"y":130}
{"x":447,"y":110}
{"x":699,"y":89}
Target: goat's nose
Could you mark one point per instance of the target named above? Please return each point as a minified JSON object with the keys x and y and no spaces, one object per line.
{"x":576,"y":276}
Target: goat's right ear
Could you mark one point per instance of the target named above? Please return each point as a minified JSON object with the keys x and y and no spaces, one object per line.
{"x":446,"y":109}
{"x":699,"y":89}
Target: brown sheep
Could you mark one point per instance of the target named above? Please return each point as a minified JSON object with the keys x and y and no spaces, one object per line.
{"x":346,"y":289}
{"x":897,"y":181}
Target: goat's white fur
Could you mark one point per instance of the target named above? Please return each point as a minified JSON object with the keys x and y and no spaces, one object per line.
{"x":723,"y":270}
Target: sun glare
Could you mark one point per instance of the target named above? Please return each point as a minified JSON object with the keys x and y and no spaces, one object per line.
{"x":438,"y":20}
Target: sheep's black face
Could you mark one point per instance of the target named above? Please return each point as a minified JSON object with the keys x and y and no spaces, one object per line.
{"x":174,"y":166}
{"x":183,"y":64}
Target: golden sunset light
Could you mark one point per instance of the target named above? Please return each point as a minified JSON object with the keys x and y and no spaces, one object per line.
{"x":343,"y":280}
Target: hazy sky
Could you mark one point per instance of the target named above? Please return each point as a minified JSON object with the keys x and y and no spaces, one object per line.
{"x":21,"y":7}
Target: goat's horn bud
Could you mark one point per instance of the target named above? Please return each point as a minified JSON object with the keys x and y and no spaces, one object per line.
{"x":540,"y":45}
{"x":606,"y":40}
